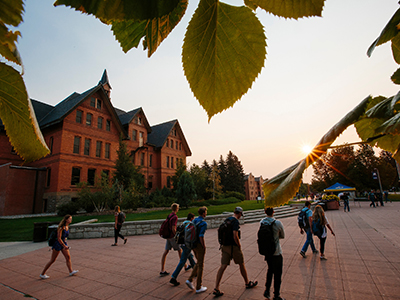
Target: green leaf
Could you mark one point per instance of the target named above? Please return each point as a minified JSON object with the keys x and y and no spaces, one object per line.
{"x":396,"y":48}
{"x":250,"y":4}
{"x":17,"y":115}
{"x":382,"y":109}
{"x":292,"y":8}
{"x":396,"y":77}
{"x":129,"y":33}
{"x":8,"y":47}
{"x":223,"y":53}
{"x":11,"y":12}
{"x":388,"y":33}
{"x":281,"y":188}
{"x":122,"y":10}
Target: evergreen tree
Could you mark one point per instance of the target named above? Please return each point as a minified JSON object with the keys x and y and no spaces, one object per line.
{"x":200,"y":179}
{"x":185,"y":191}
{"x":234,"y":174}
{"x":214,"y":187}
{"x":180,"y":169}
{"x":222,"y":172}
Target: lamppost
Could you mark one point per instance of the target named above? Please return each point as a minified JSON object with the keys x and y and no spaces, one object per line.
{"x":375,"y":175}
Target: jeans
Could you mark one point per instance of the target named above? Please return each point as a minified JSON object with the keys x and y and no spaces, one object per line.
{"x":309,"y":241}
{"x":186,"y":254}
{"x":346,"y":204}
{"x":275,"y":264}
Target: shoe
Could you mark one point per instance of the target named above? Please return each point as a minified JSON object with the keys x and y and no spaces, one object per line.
{"x":323,"y":258}
{"x":188,"y":267}
{"x":251,"y":284}
{"x":114,"y":245}
{"x":267,"y":295}
{"x":125,"y":240}
{"x":278,"y":298}
{"x":303,"y":254}
{"x":189,"y":284}
{"x":164,"y":273}
{"x":174,"y":281}
{"x":73,"y":272}
{"x":315,"y":252}
{"x":44,"y":276}
{"x":217,"y":293}
{"x":201,"y":289}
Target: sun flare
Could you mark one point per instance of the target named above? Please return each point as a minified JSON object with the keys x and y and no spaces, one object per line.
{"x":306,"y":149}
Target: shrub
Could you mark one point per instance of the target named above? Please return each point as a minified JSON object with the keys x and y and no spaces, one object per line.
{"x":237,"y":195}
{"x":330,"y":198}
{"x":68,"y":208}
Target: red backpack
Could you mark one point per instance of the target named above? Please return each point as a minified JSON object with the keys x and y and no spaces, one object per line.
{"x":165,"y":230}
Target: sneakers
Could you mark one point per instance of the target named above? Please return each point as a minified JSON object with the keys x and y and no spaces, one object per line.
{"x":201,"y":289}
{"x":315,"y":252}
{"x":44,"y":276}
{"x":174,"y":281}
{"x":73,"y":272}
{"x":267,"y":295}
{"x":323,"y":257}
{"x":164,"y":273}
{"x":188,"y":267}
{"x":303,"y":254}
{"x":189,"y":284}
{"x":278,"y":298}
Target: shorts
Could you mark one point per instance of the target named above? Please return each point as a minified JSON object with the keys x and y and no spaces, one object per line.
{"x":171,"y":244}
{"x":227,"y":255}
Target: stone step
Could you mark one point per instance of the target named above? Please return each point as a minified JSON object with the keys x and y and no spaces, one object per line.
{"x":254,"y":216}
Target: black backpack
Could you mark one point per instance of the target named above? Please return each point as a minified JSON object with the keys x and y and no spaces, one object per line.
{"x":121,"y":217}
{"x":317,"y":228}
{"x":266,"y":240}
{"x":302,"y":219}
{"x":180,"y":234}
{"x":225,"y":233}
{"x":52,"y":238}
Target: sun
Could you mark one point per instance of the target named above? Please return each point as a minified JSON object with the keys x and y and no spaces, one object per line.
{"x":306,"y":149}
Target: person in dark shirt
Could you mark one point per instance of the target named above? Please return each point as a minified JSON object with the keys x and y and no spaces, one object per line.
{"x":234,"y":251}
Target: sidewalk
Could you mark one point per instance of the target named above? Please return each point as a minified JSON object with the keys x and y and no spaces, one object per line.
{"x":363,"y":263}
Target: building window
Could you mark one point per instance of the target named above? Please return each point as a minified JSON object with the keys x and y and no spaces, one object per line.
{"x":168,"y":182}
{"x":100,"y":123}
{"x":108,"y":125}
{"x":51,"y":145}
{"x":107,"y":150}
{"x":180,"y":146}
{"x":134,"y":135}
{"x":76,"y":176}
{"x":90,"y":176}
{"x":98,"y":148}
{"x":140,"y":121}
{"x":167,"y":142}
{"x":177,"y":162}
{"x":48,"y":177}
{"x":151,"y":160}
{"x":167,"y":161}
{"x":78,"y":118}
{"x":142,"y":159}
{"x":89,"y":119}
{"x":135,"y":120}
{"x":86,"y":151}
{"x":172,"y":162}
{"x":176,"y":145}
{"x":93,"y":102}
{"x":98,"y":104}
{"x":77,"y":144}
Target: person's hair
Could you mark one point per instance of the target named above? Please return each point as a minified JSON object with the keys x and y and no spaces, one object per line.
{"x":307,"y":203}
{"x":202,"y":210}
{"x":190,"y":216}
{"x":64,"y":221}
{"x":174,"y":206}
{"x":319,"y":214}
{"x":269,"y":211}
{"x":117,"y":208}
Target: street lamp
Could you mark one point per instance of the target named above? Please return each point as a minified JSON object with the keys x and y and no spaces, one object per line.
{"x":375,"y":175}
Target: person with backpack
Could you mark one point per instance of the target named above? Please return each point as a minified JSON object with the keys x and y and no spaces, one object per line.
{"x":319,"y":224}
{"x":61,"y":245}
{"x":168,"y":231}
{"x":304,"y":222}
{"x":119,"y":219}
{"x":186,"y":251}
{"x":199,"y":249}
{"x":231,"y":248}
{"x":345,"y":198}
{"x":274,"y":260}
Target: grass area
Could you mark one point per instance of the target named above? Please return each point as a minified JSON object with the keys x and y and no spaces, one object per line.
{"x":22,"y":229}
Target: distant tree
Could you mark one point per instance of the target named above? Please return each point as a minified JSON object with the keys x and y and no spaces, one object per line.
{"x":234,"y":181}
{"x":180,"y":169}
{"x":387,"y":170}
{"x":223,"y":172}
{"x":200,"y":179}
{"x":185,"y":191}
{"x":214,"y":187}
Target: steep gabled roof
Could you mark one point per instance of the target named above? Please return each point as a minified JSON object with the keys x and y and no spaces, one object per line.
{"x":104,"y":79}
{"x":127,"y":117}
{"x":160,"y":133}
{"x":41,"y":109}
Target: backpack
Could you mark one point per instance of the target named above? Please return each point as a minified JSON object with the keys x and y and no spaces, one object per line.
{"x":266,"y":240}
{"x":225,"y":233}
{"x":317,"y":228}
{"x":180,"y":234}
{"x":165,"y":229}
{"x":121,"y":217}
{"x":302,"y":219}
{"x":191,"y":234}
{"x":52,"y":238}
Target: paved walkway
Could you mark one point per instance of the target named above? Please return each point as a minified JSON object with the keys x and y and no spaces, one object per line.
{"x":363,"y":263}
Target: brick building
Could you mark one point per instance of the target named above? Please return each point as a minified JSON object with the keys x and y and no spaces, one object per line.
{"x":253,"y":187}
{"x":82,"y":133}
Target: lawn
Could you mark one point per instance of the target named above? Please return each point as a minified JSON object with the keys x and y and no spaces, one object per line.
{"x":22,"y":229}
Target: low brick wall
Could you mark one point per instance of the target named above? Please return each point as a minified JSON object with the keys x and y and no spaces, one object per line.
{"x":103,"y":230}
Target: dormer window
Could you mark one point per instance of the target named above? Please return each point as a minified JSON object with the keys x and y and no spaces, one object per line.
{"x":93,"y":102}
{"x":98,"y":104}
{"x":140,"y":121}
{"x":89,"y":119}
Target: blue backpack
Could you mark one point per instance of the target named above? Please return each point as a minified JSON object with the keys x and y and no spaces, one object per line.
{"x":317,"y":228}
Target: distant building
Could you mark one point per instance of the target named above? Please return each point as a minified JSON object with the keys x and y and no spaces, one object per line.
{"x":82,"y":133}
{"x":253,"y":187}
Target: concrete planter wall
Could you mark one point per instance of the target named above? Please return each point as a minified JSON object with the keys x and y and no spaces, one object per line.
{"x":103,"y":230}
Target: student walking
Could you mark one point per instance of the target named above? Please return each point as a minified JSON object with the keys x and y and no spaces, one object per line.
{"x":172,"y":220}
{"x":345,"y":198}
{"x":371,"y":197}
{"x":319,"y":224}
{"x":119,"y":219}
{"x":61,"y":245}
{"x":199,"y":252}
{"x":232,"y":249}
{"x":305,"y":219}
{"x":186,"y":254}
{"x":275,"y":262}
